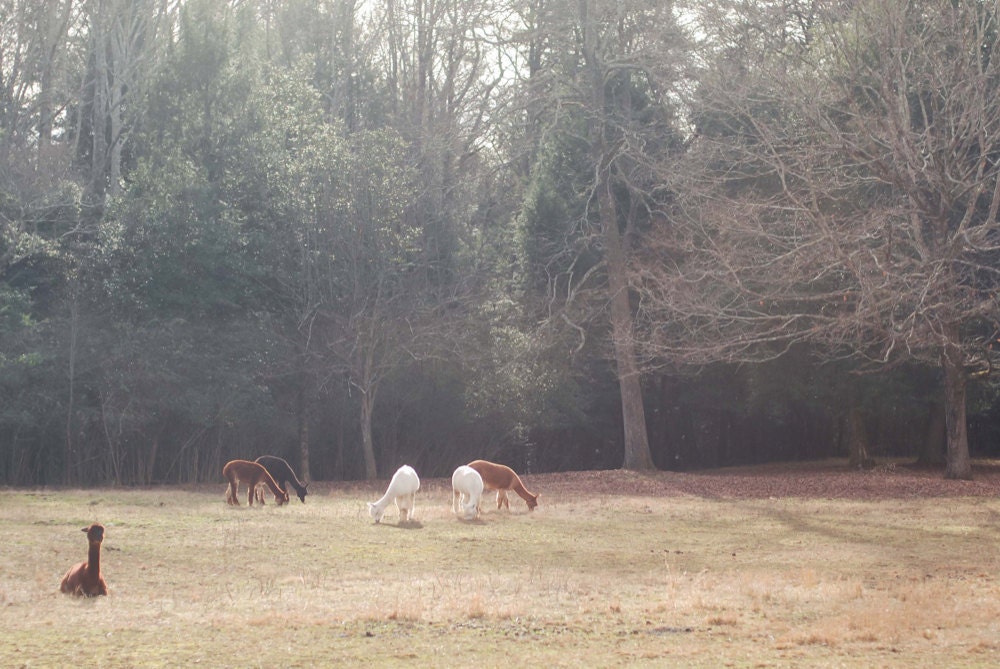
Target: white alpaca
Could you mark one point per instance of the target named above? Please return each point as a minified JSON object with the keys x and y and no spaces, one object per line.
{"x":467,"y":491}
{"x":403,"y":490}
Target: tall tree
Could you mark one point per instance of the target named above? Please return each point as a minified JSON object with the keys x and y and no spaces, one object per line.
{"x":619,"y":61}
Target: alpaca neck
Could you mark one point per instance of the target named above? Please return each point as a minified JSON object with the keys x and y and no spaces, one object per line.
{"x":94,"y":558}
{"x":269,"y":482}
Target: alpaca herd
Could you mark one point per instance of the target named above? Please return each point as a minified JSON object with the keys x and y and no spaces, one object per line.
{"x":468,"y":483}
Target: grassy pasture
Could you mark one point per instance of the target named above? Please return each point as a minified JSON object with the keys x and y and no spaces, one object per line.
{"x":613,"y":569}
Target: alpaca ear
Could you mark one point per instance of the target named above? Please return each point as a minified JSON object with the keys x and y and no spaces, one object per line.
{"x":86,"y":529}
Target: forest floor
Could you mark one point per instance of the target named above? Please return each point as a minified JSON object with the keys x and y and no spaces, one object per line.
{"x":829,"y":479}
{"x":793,"y":565}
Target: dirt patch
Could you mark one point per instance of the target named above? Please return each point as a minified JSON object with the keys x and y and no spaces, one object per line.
{"x":830,"y":480}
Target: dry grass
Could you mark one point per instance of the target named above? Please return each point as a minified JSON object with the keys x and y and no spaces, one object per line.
{"x":590,"y":579}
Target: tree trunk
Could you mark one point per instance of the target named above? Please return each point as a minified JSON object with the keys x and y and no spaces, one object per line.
{"x":304,"y":431}
{"x":367,"y":444}
{"x":958,"y":462}
{"x":857,"y":440}
{"x":150,"y":464}
{"x":637,"y":453}
{"x":70,"y":450}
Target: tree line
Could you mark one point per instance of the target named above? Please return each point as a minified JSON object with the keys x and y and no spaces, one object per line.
{"x":562,"y":234}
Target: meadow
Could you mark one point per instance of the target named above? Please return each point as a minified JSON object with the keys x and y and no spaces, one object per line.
{"x":808,"y":567}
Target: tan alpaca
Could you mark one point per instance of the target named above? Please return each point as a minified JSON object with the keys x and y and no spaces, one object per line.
{"x":502,"y":478}
{"x":84,"y":579}
{"x":250,"y":473}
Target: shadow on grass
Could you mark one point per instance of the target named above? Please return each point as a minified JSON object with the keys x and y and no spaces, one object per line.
{"x":404,"y":525}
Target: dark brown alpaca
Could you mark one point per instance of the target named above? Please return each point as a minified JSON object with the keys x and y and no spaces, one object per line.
{"x":250,"y":473}
{"x":283,"y":475}
{"x":84,"y":579}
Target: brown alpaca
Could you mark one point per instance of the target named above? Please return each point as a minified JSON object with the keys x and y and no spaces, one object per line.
{"x":84,"y":579}
{"x":250,"y":473}
{"x":502,"y":478}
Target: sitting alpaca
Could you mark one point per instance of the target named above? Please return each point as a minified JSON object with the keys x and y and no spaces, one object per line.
{"x":402,"y":490}
{"x":283,"y":475}
{"x":250,"y":473}
{"x":502,"y":478}
{"x":467,"y":491}
{"x":84,"y":579}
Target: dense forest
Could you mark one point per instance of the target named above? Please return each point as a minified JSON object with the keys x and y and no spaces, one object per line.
{"x":561,"y":234}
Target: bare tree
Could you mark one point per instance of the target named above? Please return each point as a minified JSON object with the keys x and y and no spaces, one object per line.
{"x":843,"y":194}
{"x":121,"y":48}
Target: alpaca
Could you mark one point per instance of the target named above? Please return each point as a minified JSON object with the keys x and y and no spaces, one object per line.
{"x":250,"y":473}
{"x":402,"y":490}
{"x":84,"y":579}
{"x":283,"y":475}
{"x":467,"y":491}
{"x":502,"y":478}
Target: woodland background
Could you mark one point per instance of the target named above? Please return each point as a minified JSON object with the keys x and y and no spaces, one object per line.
{"x":562,"y":234}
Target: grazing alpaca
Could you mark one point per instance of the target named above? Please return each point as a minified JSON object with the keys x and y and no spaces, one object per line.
{"x":84,"y":579}
{"x":283,"y":475}
{"x":250,"y":473}
{"x":467,"y":491}
{"x":402,"y":490}
{"x":502,"y":478}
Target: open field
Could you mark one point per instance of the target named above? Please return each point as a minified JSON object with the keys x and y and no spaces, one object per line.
{"x":794,"y":566}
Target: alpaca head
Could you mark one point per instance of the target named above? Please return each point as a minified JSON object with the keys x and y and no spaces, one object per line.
{"x":375,"y":512}
{"x":95,"y":533}
{"x":303,"y":493}
{"x":469,"y":510}
{"x":532,"y":501}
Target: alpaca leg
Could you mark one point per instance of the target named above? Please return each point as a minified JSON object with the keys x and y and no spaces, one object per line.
{"x":250,"y":489}
{"x":413,"y":504}
{"x":502,"y":500}
{"x":456,"y":500}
